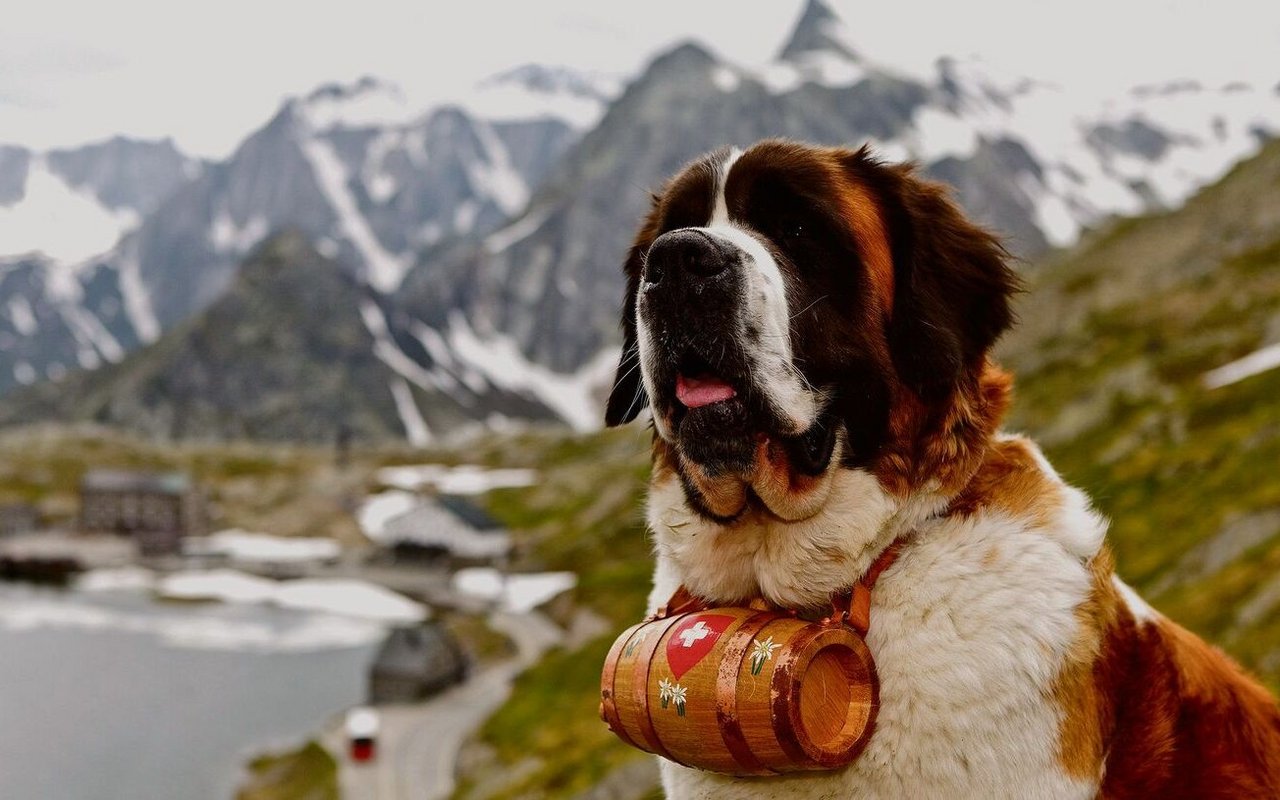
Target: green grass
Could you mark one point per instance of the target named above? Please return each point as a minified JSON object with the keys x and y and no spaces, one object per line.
{"x":553,"y":717}
{"x":308,"y":773}
{"x":584,"y":515}
{"x":288,"y":490}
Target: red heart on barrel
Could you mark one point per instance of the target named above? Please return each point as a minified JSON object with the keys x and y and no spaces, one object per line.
{"x":692,"y":639}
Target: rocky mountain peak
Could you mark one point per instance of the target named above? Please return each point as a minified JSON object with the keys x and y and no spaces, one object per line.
{"x":552,"y":80}
{"x":819,"y":31}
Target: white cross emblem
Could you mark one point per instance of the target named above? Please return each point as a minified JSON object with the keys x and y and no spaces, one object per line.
{"x":696,"y":633}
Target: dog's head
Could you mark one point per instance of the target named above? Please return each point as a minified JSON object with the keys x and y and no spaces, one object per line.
{"x":792,"y":311}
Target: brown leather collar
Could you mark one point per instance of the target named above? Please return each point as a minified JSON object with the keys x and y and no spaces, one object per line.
{"x":851,"y":607}
{"x":858,"y":613}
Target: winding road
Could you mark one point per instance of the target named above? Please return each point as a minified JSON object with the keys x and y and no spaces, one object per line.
{"x":419,"y":743}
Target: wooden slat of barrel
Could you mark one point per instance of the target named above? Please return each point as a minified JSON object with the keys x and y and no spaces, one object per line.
{"x":755,"y":694}
{"x":687,"y":663}
{"x":737,"y":652}
{"x":631,"y":681}
{"x":609,"y":682}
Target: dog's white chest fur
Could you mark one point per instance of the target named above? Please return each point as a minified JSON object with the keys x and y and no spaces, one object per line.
{"x":969,"y":629}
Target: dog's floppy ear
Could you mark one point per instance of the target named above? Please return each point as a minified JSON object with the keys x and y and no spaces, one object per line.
{"x":628,"y":397}
{"x":952,"y":281}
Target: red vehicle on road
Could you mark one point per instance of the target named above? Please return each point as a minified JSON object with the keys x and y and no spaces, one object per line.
{"x":362,"y":733}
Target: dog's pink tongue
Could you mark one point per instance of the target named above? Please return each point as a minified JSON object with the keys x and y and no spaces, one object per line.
{"x":698,"y":392}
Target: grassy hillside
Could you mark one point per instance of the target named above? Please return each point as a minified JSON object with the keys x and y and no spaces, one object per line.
{"x":584,"y":515}
{"x":290,"y":490}
{"x":1116,"y":338}
{"x":308,"y":773}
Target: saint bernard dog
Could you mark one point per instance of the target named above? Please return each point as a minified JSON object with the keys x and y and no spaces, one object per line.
{"x":811,"y":330}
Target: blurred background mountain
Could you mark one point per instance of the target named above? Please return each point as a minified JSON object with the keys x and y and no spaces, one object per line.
{"x":483,"y":239}
{"x":441,"y":281}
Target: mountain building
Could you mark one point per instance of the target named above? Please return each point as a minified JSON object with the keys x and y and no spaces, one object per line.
{"x":155,"y":509}
{"x":415,"y":663}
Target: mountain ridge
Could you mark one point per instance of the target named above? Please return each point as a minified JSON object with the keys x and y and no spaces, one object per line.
{"x":502,"y":236}
{"x":296,"y":349}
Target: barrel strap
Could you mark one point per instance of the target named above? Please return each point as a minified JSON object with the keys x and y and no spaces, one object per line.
{"x":857,"y":612}
{"x":682,"y":601}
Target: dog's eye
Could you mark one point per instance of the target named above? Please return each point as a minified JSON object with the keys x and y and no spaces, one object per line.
{"x":792,"y":227}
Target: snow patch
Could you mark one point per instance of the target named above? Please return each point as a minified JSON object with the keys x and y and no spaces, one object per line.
{"x":262,"y":548}
{"x":137,"y":299}
{"x":384,"y":270}
{"x":415,"y":427}
{"x":379,"y":509}
{"x":1052,"y":216}
{"x":122,"y":579}
{"x":1192,"y":137}
{"x":353,"y":598}
{"x":466,"y":479}
{"x":91,"y":335}
{"x":199,"y":629}
{"x":495,"y":177}
{"x":226,"y":585}
{"x":341,"y":596}
{"x":507,"y":103}
{"x":780,"y":78}
{"x":515,"y":593}
{"x":937,"y":133}
{"x":1256,"y":363}
{"x":381,"y":184}
{"x":388,"y":352}
{"x":24,"y":373}
{"x":56,"y":219}
{"x":464,"y":216}
{"x":228,"y":237}
{"x":521,"y":229}
{"x":20,"y":314}
{"x":369,"y":103}
{"x":499,"y":359}
{"x":725,"y":78}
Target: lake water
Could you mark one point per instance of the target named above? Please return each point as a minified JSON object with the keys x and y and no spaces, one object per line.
{"x":112,"y":696}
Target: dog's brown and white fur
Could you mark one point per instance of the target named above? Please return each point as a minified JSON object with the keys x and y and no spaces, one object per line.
{"x":810,"y":329}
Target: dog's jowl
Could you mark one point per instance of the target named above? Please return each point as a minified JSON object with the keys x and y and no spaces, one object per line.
{"x":812,"y":330}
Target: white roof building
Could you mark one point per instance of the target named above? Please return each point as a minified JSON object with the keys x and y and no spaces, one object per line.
{"x":450,"y":523}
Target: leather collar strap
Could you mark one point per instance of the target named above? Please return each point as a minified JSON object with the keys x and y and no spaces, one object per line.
{"x":858,"y":613}
{"x":854,"y":612}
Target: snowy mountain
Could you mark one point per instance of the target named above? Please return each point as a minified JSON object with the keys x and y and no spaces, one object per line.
{"x":369,"y":177}
{"x":539,"y":91}
{"x":74,"y":203}
{"x":58,"y":210}
{"x":1032,"y":160}
{"x":295,"y":349}
{"x":485,"y":235}
{"x":354,"y":168}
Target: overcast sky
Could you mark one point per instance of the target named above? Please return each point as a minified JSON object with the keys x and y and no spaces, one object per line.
{"x":208,"y":73}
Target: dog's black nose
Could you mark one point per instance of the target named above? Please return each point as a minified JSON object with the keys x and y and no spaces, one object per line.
{"x":685,"y":254}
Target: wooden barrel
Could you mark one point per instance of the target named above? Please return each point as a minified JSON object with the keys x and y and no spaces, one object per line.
{"x":741,"y":691}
